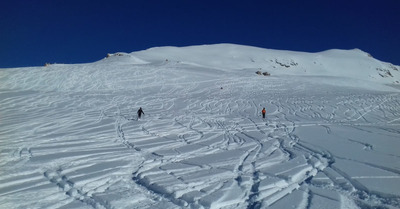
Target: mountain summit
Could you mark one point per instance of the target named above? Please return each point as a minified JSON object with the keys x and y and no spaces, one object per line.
{"x":354,"y":63}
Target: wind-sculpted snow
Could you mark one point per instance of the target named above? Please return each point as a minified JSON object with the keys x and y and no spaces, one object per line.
{"x":70,"y":138}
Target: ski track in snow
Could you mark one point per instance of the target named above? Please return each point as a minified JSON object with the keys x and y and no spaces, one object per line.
{"x":77,"y":143}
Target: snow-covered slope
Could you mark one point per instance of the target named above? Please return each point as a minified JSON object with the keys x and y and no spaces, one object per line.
{"x":341,"y":63}
{"x":70,"y":138}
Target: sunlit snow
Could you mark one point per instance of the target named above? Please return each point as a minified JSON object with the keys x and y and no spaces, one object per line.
{"x":70,"y":138}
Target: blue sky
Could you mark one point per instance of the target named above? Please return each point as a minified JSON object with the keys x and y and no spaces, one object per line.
{"x":33,"y":32}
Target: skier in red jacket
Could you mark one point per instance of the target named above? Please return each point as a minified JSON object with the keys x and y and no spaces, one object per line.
{"x":263,"y":111}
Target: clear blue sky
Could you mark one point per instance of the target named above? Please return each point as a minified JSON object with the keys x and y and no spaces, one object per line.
{"x":79,"y":31}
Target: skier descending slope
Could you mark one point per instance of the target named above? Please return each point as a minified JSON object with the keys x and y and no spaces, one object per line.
{"x":140,"y":112}
{"x":263,"y":111}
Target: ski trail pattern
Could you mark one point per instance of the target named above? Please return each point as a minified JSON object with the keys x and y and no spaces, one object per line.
{"x":77,"y":143}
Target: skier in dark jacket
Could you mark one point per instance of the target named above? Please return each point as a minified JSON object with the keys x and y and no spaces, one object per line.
{"x":139,"y":113}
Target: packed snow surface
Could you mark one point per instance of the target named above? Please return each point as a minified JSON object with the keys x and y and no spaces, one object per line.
{"x":70,"y":137}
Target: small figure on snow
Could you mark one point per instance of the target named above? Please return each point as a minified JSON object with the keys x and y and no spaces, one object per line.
{"x":263,"y":111}
{"x":140,"y":112}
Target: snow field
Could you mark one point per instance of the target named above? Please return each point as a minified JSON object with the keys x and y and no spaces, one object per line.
{"x":70,"y":137}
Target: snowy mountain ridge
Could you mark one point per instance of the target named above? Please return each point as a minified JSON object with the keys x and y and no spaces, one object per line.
{"x":341,"y":63}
